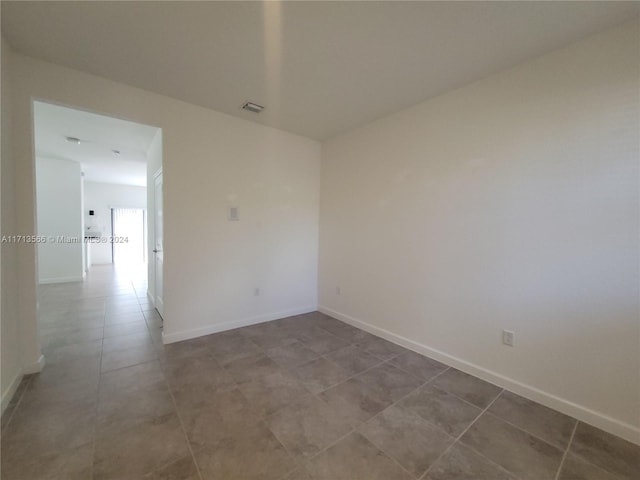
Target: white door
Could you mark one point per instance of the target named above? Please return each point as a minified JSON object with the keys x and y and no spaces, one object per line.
{"x":158,"y":253}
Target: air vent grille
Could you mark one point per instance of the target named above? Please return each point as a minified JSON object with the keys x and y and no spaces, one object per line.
{"x":252,"y":107}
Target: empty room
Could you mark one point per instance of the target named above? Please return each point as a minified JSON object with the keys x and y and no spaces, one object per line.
{"x":320,"y":240}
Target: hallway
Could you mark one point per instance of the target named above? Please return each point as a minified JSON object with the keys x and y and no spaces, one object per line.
{"x":90,"y":333}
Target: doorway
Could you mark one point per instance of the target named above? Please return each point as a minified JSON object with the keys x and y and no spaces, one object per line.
{"x":128,"y":237}
{"x":92,"y":198}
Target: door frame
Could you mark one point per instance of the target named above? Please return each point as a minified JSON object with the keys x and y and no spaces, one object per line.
{"x":158,"y":299}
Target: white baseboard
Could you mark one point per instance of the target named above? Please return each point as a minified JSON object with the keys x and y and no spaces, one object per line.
{"x":11,"y":391}
{"x":221,"y":327}
{"x":35,"y":367}
{"x":584,"y":414}
{"x":77,"y":278}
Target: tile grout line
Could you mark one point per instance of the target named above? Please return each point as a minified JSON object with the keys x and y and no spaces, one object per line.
{"x":427,"y":382}
{"x":173,"y":401}
{"x":422,"y":385}
{"x":95,"y":427}
{"x":184,"y":429}
{"x":457,"y":439}
{"x":355,"y":429}
{"x":566,"y":452}
{"x":529,"y":433}
{"x":316,"y":396}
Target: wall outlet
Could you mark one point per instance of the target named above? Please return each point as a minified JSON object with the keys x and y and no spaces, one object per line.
{"x":508,"y":337}
{"x":337,"y":290}
{"x":256,"y":292}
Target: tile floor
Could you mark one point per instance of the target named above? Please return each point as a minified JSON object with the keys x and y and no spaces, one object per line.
{"x":305,"y":397}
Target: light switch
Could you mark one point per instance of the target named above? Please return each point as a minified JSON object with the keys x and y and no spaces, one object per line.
{"x":234,"y":215}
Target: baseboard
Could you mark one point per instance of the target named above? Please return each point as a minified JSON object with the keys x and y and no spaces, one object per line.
{"x":46,"y":281}
{"x":35,"y":367}
{"x":11,"y":391}
{"x":584,"y":414}
{"x":221,"y":327}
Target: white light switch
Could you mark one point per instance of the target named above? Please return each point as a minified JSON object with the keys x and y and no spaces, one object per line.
{"x":234,"y":214}
{"x":508,"y":337}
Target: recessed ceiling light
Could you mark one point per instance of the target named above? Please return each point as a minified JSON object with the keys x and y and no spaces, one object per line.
{"x":252,"y":107}
{"x":73,"y":140}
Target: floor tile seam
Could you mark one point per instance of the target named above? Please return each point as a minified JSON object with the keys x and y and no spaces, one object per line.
{"x":127,"y":366}
{"x":446,"y":367}
{"x":296,"y":458}
{"x":566,"y":452}
{"x":457,"y":439}
{"x":342,"y":369}
{"x":330,"y":445}
{"x":537,"y":437}
{"x":397,"y":402}
{"x":381,"y":362}
{"x":587,"y":460}
{"x":391,"y":457}
{"x":125,"y":313}
{"x":356,"y":429}
{"x":443,"y":389}
{"x":97,"y":411}
{"x":484,"y":457}
{"x":262,"y":418}
{"x":290,"y":370}
{"x":63,"y":327}
{"x":177,"y":413}
{"x":353,"y":377}
{"x":351,"y":342}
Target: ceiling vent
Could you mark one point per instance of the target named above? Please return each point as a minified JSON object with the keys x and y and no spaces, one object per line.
{"x":73,"y":140}
{"x":252,"y":107}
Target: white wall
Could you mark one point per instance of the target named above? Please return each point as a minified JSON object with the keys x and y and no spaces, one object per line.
{"x":101,"y":198}
{"x":10,"y":359}
{"x":59,"y":210}
{"x":209,"y":161}
{"x":511,"y":203}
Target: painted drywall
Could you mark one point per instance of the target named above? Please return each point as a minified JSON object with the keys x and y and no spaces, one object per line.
{"x":210,"y":161}
{"x":101,"y":198}
{"x":10,"y":361}
{"x":59,"y":210}
{"x":511,"y":203}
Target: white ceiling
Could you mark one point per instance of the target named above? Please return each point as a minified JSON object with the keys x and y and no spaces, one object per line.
{"x":99,"y":136}
{"x":320,"y":68}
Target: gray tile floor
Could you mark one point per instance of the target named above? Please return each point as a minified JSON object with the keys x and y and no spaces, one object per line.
{"x":304,"y":397}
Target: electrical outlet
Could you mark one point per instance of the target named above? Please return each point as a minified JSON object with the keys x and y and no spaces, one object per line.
{"x":256,"y":292}
{"x":337,"y":290}
{"x":508,"y":337}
